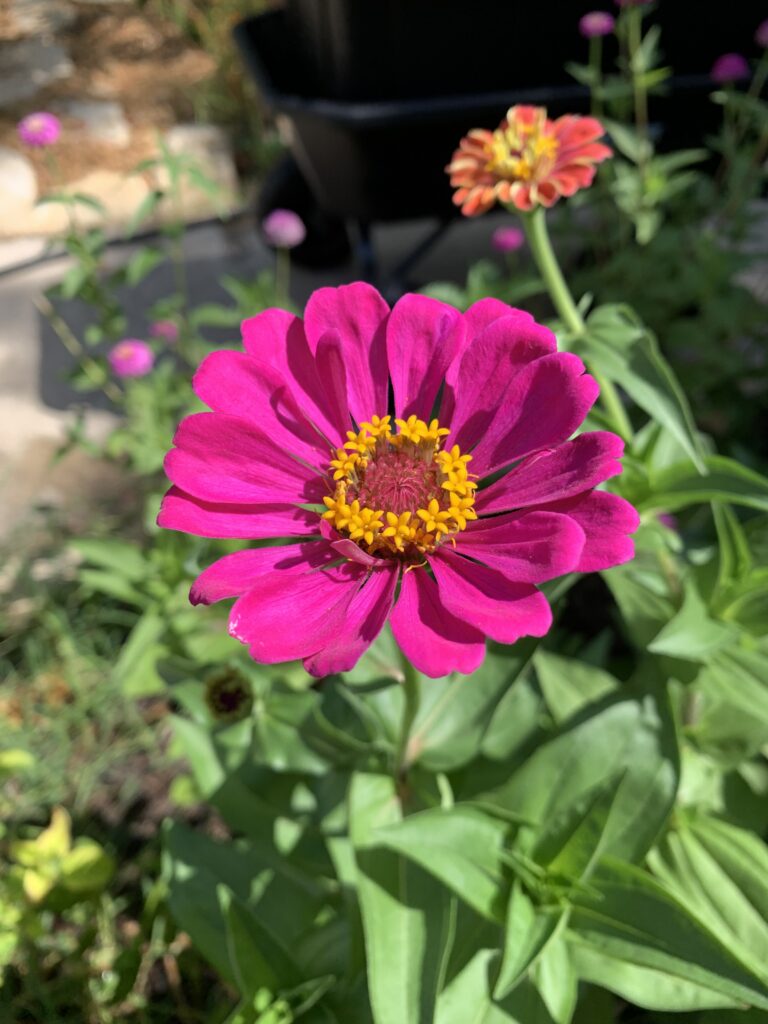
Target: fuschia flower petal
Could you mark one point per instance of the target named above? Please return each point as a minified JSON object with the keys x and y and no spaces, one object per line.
{"x":358,"y":313}
{"x":573,"y":467}
{"x":501,"y":609}
{"x":606,"y":520}
{"x":239,"y":385}
{"x":483,"y":313}
{"x":290,"y":615}
{"x":432,"y":639}
{"x":530,"y":548}
{"x":367,"y":612}
{"x":222,"y":458}
{"x":423,"y":338}
{"x":478,"y":383}
{"x":542,"y":406}
{"x":278,"y":338}
{"x":240,"y":572}
{"x":183,"y":512}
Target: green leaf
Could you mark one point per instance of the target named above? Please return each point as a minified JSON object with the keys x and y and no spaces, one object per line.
{"x":119,"y":556}
{"x":468,"y":1000}
{"x":258,"y":958}
{"x":628,"y":354}
{"x":628,"y":739}
{"x":557,"y":981}
{"x":87,"y":868}
{"x":528,"y":931}
{"x":681,"y":485}
{"x":408,"y":918}
{"x":633,"y":919}
{"x":569,"y":685}
{"x":704,"y":885}
{"x":462,"y":847}
{"x":135,"y":670}
{"x":144,"y":210}
{"x":629,"y":142}
{"x":691,"y":634}
{"x":456,"y":711}
{"x":142,"y":263}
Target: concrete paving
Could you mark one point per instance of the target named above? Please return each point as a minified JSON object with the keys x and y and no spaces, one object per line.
{"x":37,"y":402}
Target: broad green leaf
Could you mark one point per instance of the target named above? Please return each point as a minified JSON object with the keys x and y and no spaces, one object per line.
{"x":737,"y":677}
{"x":632,"y":918}
{"x":87,"y":868}
{"x":643,"y":986}
{"x":682,"y":485}
{"x":557,"y":981}
{"x":468,"y":1000}
{"x":135,"y":670}
{"x":570,"y":843}
{"x":258,"y":958}
{"x":15,"y":760}
{"x":628,"y":354}
{"x":569,"y":685}
{"x":529,"y":929}
{"x":630,"y":739}
{"x":691,"y":634}
{"x":692,"y":874}
{"x":407,"y":916}
{"x":455,"y":712}
{"x":119,"y":556}
{"x":462,"y":847}
{"x":517,"y":719}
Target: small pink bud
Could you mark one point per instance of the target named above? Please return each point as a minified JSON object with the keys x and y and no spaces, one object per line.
{"x":731,"y":67}
{"x":39,"y":129}
{"x":761,"y":35}
{"x":597,"y":23}
{"x":284,"y":229}
{"x":507,"y":239}
{"x":166,"y":330}
{"x":131,"y":358}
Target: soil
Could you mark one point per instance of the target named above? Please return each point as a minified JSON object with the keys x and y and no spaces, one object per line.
{"x":133,"y":58}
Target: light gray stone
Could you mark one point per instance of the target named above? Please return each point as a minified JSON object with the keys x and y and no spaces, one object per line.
{"x":18,"y":186}
{"x":27,"y":65}
{"x":35,"y":17}
{"x":102,"y":120}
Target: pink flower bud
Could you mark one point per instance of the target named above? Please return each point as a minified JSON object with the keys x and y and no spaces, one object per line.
{"x":131,"y":358}
{"x":507,"y":239}
{"x":166,"y":330}
{"x":284,"y":229}
{"x":731,"y":67}
{"x":597,"y":23}
{"x":39,"y":129}
{"x":761,"y":35}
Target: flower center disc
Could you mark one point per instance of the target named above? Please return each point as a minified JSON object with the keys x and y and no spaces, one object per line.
{"x":521,"y":150}
{"x":397,"y":494}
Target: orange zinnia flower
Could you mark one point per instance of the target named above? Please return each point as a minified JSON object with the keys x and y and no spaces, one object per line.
{"x":528,"y":161}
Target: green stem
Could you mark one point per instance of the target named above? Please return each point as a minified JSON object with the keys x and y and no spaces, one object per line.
{"x":635,"y":34}
{"x":283,"y":275}
{"x":410,"y":710}
{"x":596,"y":65}
{"x":535,"y":227}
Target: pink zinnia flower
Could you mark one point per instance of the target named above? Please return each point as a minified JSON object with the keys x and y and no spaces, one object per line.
{"x":597,"y":23}
{"x":528,"y":161}
{"x":39,"y":129}
{"x":390,"y":512}
{"x":166,"y":330}
{"x":284,"y":229}
{"x":731,"y":67}
{"x":507,"y":239}
{"x":131,"y":358}
{"x":761,"y":35}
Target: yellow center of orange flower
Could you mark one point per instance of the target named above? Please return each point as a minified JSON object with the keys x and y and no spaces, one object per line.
{"x":521,"y":150}
{"x":397,"y":493}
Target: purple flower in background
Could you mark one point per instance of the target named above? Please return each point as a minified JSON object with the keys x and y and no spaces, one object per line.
{"x":166,"y":330}
{"x":131,"y":358}
{"x":761,"y":35}
{"x":284,"y":229}
{"x":731,"y":67}
{"x":39,"y":129}
{"x":632,"y":3}
{"x":670,"y":521}
{"x":507,"y":239}
{"x":596,"y":23}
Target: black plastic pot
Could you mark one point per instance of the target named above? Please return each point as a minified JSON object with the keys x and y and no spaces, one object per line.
{"x":401,"y":49}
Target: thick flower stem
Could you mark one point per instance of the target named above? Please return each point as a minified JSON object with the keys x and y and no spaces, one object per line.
{"x":535,"y":226}
{"x":410,"y":710}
